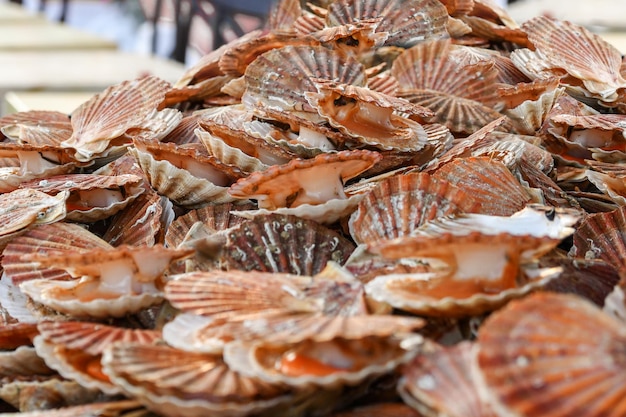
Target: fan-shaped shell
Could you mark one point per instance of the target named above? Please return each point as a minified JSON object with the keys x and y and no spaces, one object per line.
{"x":282,"y":243}
{"x":101,"y":119}
{"x":303,"y":356}
{"x":20,"y":209}
{"x":578,"y":51}
{"x":175,"y":383}
{"x":402,"y":203}
{"x":280,"y":77}
{"x":91,"y":197}
{"x":37,"y":127}
{"x":489,"y":181}
{"x":441,"y":373}
{"x":74,"y":349}
{"x":559,"y":347}
{"x":308,"y":181}
{"x":601,"y":236}
{"x":47,"y":240}
{"x":43,"y":396}
{"x":22,"y":361}
{"x":238,"y":295}
{"x":406,"y":22}
{"x":178,"y":184}
{"x":368,"y":116}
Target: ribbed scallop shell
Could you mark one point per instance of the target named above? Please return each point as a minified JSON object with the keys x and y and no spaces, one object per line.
{"x":482,"y":274}
{"x":432,"y":66}
{"x":228,"y":154}
{"x":215,"y":218}
{"x":178,"y":184}
{"x":400,"y":204}
{"x":440,"y":373}
{"x":178,"y":383}
{"x":238,"y":295}
{"x":44,"y":291}
{"x":20,"y":209}
{"x":22,"y":361}
{"x":280,"y":77}
{"x":367,"y":116}
{"x":283,"y":243}
{"x":407,"y":22}
{"x":42,"y":396}
{"x":47,"y":240}
{"x":488,"y":181}
{"x":74,"y":349}
{"x":111,"y":113}
{"x":142,"y":223}
{"x":37,"y":127}
{"x":581,"y":53}
{"x":371,"y":346}
{"x":304,"y":181}
{"x":601,"y":236}
{"x":529,"y":116}
{"x":563,"y":349}
{"x":91,"y":197}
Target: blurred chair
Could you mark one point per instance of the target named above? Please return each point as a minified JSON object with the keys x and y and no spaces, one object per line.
{"x":221,"y":16}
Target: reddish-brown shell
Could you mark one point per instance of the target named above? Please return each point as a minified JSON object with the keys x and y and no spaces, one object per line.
{"x":111,"y":113}
{"x":562,"y":349}
{"x":304,"y":181}
{"x":400,"y":204}
{"x":440,"y":373}
{"x":489,"y":181}
{"x":296,"y":246}
{"x":407,"y":22}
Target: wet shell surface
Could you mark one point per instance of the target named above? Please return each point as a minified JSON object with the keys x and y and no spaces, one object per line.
{"x":559,"y":347}
{"x":283,"y":243}
{"x":20,"y":209}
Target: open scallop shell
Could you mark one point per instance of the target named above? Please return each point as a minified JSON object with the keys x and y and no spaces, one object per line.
{"x":159,"y":377}
{"x":368,"y":116}
{"x":42,"y":396}
{"x":37,"y":127}
{"x":325,"y":351}
{"x":20,"y":209}
{"x":99,"y":120}
{"x":310,"y":181}
{"x":47,"y":240}
{"x":581,"y":53}
{"x":178,"y":184}
{"x":406,"y":22}
{"x":112,"y":282}
{"x":438,"y":374}
{"x":480,"y":274}
{"x":561,"y":348}
{"x":17,"y":334}
{"x":298,"y":65}
{"x":91,"y":197}
{"x":74,"y":349}
{"x":283,"y":243}
{"x":487,"y":180}
{"x":400,"y":204}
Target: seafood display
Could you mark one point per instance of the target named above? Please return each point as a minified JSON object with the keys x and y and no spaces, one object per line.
{"x":370,"y":207}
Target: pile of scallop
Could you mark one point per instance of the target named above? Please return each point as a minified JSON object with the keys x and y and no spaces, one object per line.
{"x":370,"y":208}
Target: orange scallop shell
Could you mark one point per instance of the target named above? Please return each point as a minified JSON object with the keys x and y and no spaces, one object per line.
{"x":561,"y":348}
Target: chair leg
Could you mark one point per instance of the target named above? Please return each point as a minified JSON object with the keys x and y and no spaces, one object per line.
{"x":184,"y":14}
{"x":155,"y":24}
{"x":64,"y":7}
